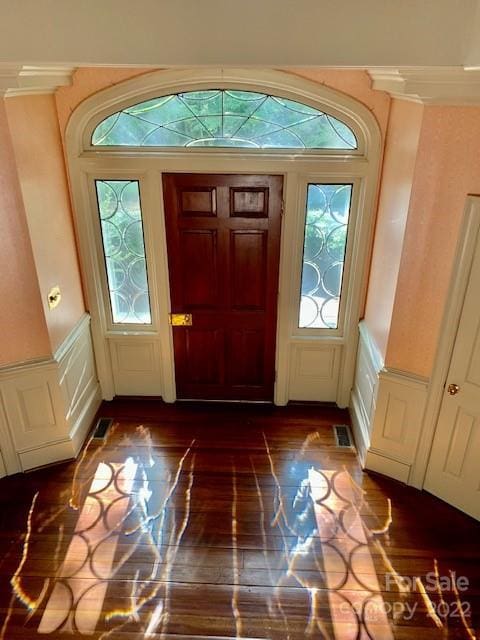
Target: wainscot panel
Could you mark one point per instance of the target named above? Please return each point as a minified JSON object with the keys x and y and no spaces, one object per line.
{"x":314,"y":371}
{"x":136,"y":365}
{"x":396,"y":424}
{"x":364,"y":391}
{"x":47,"y":406}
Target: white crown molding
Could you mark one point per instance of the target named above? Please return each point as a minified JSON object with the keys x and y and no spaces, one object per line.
{"x":429,"y":85}
{"x":19,"y":80}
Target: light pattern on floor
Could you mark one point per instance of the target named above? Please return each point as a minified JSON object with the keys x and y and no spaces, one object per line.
{"x":135,"y":504}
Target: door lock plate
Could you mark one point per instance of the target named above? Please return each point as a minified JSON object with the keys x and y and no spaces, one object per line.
{"x":181,"y":319}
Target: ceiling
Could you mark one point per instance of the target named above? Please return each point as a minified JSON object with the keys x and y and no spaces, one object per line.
{"x":338,"y":33}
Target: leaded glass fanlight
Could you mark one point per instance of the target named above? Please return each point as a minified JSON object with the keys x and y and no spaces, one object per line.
{"x":224,"y":118}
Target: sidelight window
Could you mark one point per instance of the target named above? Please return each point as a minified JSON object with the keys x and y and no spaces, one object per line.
{"x":224,"y":118}
{"x":124,"y":250}
{"x":326,"y":224}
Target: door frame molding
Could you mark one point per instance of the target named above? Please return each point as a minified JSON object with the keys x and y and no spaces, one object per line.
{"x":464,"y":255}
{"x":86,"y":162}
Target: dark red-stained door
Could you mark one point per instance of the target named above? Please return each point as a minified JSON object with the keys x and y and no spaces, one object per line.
{"x":223,"y":239}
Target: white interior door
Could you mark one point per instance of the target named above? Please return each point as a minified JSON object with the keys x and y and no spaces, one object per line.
{"x":453,"y":472}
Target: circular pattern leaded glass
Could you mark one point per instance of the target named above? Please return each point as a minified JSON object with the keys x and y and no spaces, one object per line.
{"x":124,"y":250}
{"x":328,"y":208}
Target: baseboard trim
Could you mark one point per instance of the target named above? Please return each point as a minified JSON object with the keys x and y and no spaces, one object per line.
{"x":49,"y":453}
{"x":387,"y":466}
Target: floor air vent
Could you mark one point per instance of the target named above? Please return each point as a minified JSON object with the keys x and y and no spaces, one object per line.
{"x":342,"y":435}
{"x":101,"y":430}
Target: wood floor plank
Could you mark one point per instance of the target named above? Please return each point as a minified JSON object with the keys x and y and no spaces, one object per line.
{"x":201,"y":521}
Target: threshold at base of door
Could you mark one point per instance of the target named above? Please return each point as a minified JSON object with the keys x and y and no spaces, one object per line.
{"x":223,"y":401}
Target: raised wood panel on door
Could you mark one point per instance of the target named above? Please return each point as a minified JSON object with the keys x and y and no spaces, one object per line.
{"x":453,"y":470}
{"x":248,"y":252}
{"x":223,"y":238}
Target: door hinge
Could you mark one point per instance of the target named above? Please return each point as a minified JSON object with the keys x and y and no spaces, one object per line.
{"x":282,"y":210}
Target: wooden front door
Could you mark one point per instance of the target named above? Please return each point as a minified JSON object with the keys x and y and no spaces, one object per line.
{"x":223,"y":239}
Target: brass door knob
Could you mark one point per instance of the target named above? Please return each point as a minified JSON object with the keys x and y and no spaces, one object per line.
{"x":453,"y":389}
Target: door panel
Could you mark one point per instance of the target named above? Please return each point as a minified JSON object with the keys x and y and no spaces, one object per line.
{"x":245,"y":349}
{"x":199,"y":272}
{"x":453,"y":472}
{"x":248,"y":256}
{"x":198,"y":202}
{"x":223,"y":239}
{"x":249,"y":203}
{"x":201,"y":356}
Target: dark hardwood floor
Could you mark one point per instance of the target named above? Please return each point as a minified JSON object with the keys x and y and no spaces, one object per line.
{"x":221,"y":521}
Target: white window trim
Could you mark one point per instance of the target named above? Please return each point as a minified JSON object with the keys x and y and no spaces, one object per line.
{"x":305,"y":180}
{"x":146,"y":165}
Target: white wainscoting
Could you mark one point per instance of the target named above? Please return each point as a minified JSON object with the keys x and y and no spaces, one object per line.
{"x":136,"y":364}
{"x":387,"y":409}
{"x":47,"y":406}
{"x":314,"y":370}
{"x":365,"y":386}
{"x":9,"y":454}
{"x":397,"y":423}
{"x":79,"y":382}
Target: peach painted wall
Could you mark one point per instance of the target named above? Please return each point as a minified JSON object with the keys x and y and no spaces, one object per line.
{"x":41,"y":169}
{"x":87,"y":81}
{"x":397,"y":177}
{"x":355,"y":83}
{"x":23,"y":331}
{"x":448,"y":168}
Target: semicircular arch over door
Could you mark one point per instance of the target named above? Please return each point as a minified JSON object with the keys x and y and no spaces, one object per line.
{"x":325,"y":148}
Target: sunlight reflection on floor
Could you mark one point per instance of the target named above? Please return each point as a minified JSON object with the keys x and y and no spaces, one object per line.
{"x":135,"y":511}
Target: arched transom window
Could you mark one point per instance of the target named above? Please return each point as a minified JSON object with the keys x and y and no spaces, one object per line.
{"x":224,"y":118}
